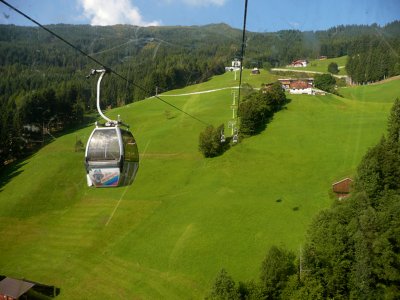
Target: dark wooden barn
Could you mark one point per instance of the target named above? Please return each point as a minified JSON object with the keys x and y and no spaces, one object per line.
{"x":13,"y":289}
{"x":342,"y":188}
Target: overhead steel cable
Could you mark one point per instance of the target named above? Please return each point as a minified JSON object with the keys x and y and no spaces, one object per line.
{"x":98,"y":62}
{"x":242,"y":54}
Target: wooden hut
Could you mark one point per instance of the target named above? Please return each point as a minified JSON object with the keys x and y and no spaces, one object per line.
{"x":342,"y":188}
{"x":12,"y":289}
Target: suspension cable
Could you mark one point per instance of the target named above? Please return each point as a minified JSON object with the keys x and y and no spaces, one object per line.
{"x":242,"y":55}
{"x":100,"y":63}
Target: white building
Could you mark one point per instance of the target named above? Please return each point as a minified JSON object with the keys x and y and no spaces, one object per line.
{"x":236,"y":63}
{"x":299,"y":63}
{"x":298,"y":86}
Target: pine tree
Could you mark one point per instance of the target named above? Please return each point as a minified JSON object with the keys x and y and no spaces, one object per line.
{"x":276,"y":268}
{"x":210,"y":143}
{"x":333,"y":68}
{"x":394,"y":122}
{"x":223,"y":288}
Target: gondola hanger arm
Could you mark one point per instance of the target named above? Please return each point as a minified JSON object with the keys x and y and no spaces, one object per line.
{"x":102,"y":72}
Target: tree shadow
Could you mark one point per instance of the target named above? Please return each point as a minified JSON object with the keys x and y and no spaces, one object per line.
{"x":11,"y":170}
{"x":88,"y":121}
{"x":262,"y":126}
{"x":225,"y":146}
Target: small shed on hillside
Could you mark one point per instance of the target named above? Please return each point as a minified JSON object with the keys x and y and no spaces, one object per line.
{"x":342,"y":188}
{"x":12,"y":289}
{"x":299,"y":63}
{"x":255,"y":71}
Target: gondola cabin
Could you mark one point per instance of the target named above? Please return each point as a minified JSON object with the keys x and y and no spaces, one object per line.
{"x":111,"y":157}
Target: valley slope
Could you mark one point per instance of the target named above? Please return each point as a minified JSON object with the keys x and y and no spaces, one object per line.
{"x":185,"y":217}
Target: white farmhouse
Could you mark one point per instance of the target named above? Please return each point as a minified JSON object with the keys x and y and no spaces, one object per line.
{"x":299,"y":63}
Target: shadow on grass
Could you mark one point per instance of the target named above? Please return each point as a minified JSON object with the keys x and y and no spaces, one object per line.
{"x":10,"y":171}
{"x":88,"y":121}
{"x":13,"y":169}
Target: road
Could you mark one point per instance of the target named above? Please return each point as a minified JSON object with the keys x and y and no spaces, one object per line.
{"x":201,"y":92}
{"x":306,"y":71}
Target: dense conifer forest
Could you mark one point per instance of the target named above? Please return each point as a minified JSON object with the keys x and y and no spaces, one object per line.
{"x":43,"y":87}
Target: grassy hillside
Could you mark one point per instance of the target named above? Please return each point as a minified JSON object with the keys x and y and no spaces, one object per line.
{"x":374,"y":93}
{"x":322,"y":65}
{"x":185,"y":217}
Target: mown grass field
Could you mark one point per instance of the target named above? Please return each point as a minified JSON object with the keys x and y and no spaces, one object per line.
{"x":322,"y":65}
{"x":374,"y":93}
{"x":185,"y":217}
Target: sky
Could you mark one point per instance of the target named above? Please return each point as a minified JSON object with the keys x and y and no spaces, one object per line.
{"x":262,"y":15}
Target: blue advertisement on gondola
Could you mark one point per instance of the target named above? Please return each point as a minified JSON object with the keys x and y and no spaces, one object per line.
{"x":105,"y":177}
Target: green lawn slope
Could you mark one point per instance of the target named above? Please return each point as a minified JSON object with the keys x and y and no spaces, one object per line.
{"x":381,"y":92}
{"x":185,"y":217}
{"x":318,"y":65}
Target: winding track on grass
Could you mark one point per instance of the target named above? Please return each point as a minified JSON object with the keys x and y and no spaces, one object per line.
{"x":307,"y":71}
{"x":123,"y":194}
{"x":201,"y":92}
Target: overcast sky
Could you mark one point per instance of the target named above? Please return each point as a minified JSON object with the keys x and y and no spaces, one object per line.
{"x":263,"y":15}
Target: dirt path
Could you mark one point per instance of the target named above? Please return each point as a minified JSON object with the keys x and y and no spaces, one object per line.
{"x":201,"y":92}
{"x":306,"y":71}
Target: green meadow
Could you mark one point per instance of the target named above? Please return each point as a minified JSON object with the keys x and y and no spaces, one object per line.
{"x":322,"y":65}
{"x":185,"y":217}
{"x":374,"y":93}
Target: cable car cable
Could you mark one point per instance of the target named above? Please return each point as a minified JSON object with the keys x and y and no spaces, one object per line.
{"x":242,"y":53}
{"x":98,"y":62}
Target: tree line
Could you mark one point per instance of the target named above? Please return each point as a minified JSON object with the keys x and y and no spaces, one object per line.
{"x":258,"y":107}
{"x":373,"y":59}
{"x":352,"y":250}
{"x":43,"y":81}
{"x":29,"y":119}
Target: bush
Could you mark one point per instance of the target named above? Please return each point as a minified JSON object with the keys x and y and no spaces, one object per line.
{"x":223,"y":288}
{"x":325,"y":82}
{"x":210,"y":141}
{"x":252,"y":112}
{"x":79,"y":146}
{"x":257,"y":108}
{"x":333,"y":68}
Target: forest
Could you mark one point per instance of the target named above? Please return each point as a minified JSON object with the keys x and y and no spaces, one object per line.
{"x":43,"y":89}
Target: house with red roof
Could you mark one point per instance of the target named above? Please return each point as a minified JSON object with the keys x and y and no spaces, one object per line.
{"x":300,"y":63}
{"x":298,"y":86}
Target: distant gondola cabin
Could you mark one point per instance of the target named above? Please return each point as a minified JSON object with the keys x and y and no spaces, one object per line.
{"x":342,"y":188}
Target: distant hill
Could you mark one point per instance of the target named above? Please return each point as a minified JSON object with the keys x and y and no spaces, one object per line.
{"x":43,"y":79}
